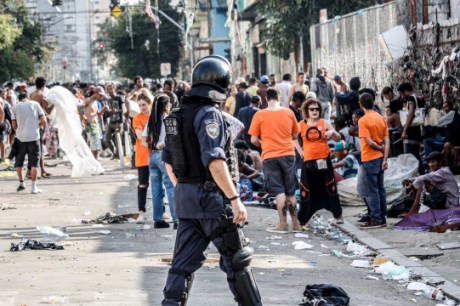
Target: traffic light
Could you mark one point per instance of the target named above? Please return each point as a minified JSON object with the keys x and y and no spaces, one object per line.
{"x":228,"y":54}
{"x":57,"y":2}
{"x":101,"y":47}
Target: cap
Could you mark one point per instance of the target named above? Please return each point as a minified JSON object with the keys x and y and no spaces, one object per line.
{"x":100,"y":90}
{"x":243,"y":85}
{"x":434,"y":155}
{"x":337,"y":78}
{"x":22,"y":86}
{"x":339,"y":146}
{"x":264,"y":79}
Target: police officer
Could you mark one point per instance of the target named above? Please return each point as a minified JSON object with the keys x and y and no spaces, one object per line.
{"x":201,"y":162}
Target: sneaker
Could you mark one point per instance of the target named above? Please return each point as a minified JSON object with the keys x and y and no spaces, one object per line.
{"x":160,"y":224}
{"x":365,"y":218}
{"x":296,"y":228}
{"x":280,"y":229}
{"x":175,"y":225}
{"x":372,"y":224}
{"x":20,"y":188}
{"x":36,"y":190}
{"x":339,"y":220}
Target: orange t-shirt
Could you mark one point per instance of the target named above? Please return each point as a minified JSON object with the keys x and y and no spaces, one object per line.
{"x":142,"y":153}
{"x":314,"y":141}
{"x":374,"y":126}
{"x":275,"y":129}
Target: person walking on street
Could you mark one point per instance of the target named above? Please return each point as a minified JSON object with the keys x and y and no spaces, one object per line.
{"x":39,"y":96}
{"x":299,"y":86}
{"x":116,"y":119}
{"x":284,"y":87}
{"x":145,"y":100}
{"x":274,"y":129}
{"x":27,"y":118}
{"x":318,"y":188}
{"x":155,"y":137}
{"x":375,"y":146}
{"x":198,"y":147}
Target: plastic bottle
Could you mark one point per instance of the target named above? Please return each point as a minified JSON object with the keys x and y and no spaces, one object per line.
{"x":434,"y":293}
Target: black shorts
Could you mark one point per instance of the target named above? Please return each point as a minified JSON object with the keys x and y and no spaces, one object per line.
{"x":280,"y":175}
{"x":29,"y":148}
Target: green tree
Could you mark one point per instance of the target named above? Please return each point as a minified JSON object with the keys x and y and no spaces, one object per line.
{"x":287,"y":19}
{"x":23,"y":48}
{"x":148,"y":53}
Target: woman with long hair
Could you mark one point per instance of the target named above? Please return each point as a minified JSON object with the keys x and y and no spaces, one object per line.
{"x":318,"y":188}
{"x":158,"y":176}
{"x":142,"y":150}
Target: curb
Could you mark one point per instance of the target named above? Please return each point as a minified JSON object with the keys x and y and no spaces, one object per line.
{"x":449,"y":288}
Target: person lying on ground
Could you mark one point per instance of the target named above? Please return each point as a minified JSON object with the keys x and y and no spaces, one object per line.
{"x":440,"y":184}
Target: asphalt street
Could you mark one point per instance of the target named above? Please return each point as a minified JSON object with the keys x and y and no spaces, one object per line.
{"x":129,"y":264}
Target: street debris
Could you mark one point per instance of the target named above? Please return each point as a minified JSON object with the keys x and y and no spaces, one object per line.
{"x":357,"y":249}
{"x":300,"y":245}
{"x":361,"y":263}
{"x":392,"y":271}
{"x":324,"y":294}
{"x":274,"y":237}
{"x":301,"y":235}
{"x":52,"y":234}
{"x":5,"y":207}
{"x":110,"y":217}
{"x":104,"y":232}
{"x":27,"y":244}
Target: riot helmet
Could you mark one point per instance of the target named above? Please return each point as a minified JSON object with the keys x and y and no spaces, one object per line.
{"x":211,"y":77}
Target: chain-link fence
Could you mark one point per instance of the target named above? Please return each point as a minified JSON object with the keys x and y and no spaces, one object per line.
{"x":349,"y":45}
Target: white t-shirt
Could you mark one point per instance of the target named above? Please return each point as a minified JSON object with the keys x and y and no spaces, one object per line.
{"x":284,"y":88}
{"x":27,"y":114}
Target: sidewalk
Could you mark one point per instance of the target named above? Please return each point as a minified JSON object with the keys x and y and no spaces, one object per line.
{"x":129,"y":266}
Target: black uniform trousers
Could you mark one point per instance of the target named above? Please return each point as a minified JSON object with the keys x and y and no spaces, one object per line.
{"x":191,"y":243}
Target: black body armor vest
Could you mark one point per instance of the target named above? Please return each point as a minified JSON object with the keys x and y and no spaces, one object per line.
{"x":184,"y":146}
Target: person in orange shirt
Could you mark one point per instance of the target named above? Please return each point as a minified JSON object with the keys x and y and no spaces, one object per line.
{"x":318,"y":188}
{"x":375,"y":145}
{"x":274,"y":129}
{"x":145,"y":100}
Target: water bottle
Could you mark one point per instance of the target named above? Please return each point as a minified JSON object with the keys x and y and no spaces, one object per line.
{"x":434,"y":293}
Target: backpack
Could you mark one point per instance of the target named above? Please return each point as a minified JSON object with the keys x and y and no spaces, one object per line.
{"x":325,"y":295}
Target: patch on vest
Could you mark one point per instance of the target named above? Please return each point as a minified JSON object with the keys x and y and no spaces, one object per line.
{"x":212,"y":129}
{"x":171,"y":126}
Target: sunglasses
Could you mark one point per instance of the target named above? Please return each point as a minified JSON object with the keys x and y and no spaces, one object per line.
{"x":315,"y":109}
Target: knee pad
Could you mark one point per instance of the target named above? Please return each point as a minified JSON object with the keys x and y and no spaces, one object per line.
{"x":242,"y":258}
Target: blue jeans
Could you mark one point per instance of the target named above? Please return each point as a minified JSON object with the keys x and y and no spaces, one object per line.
{"x":159,"y":178}
{"x":374,"y":190}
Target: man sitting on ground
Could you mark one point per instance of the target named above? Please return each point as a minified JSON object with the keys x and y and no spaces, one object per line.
{"x":440,"y":184}
{"x":344,"y":163}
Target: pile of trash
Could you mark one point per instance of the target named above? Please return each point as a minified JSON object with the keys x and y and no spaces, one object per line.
{"x":377,"y":265}
{"x":110,"y":218}
{"x":48,"y":242}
